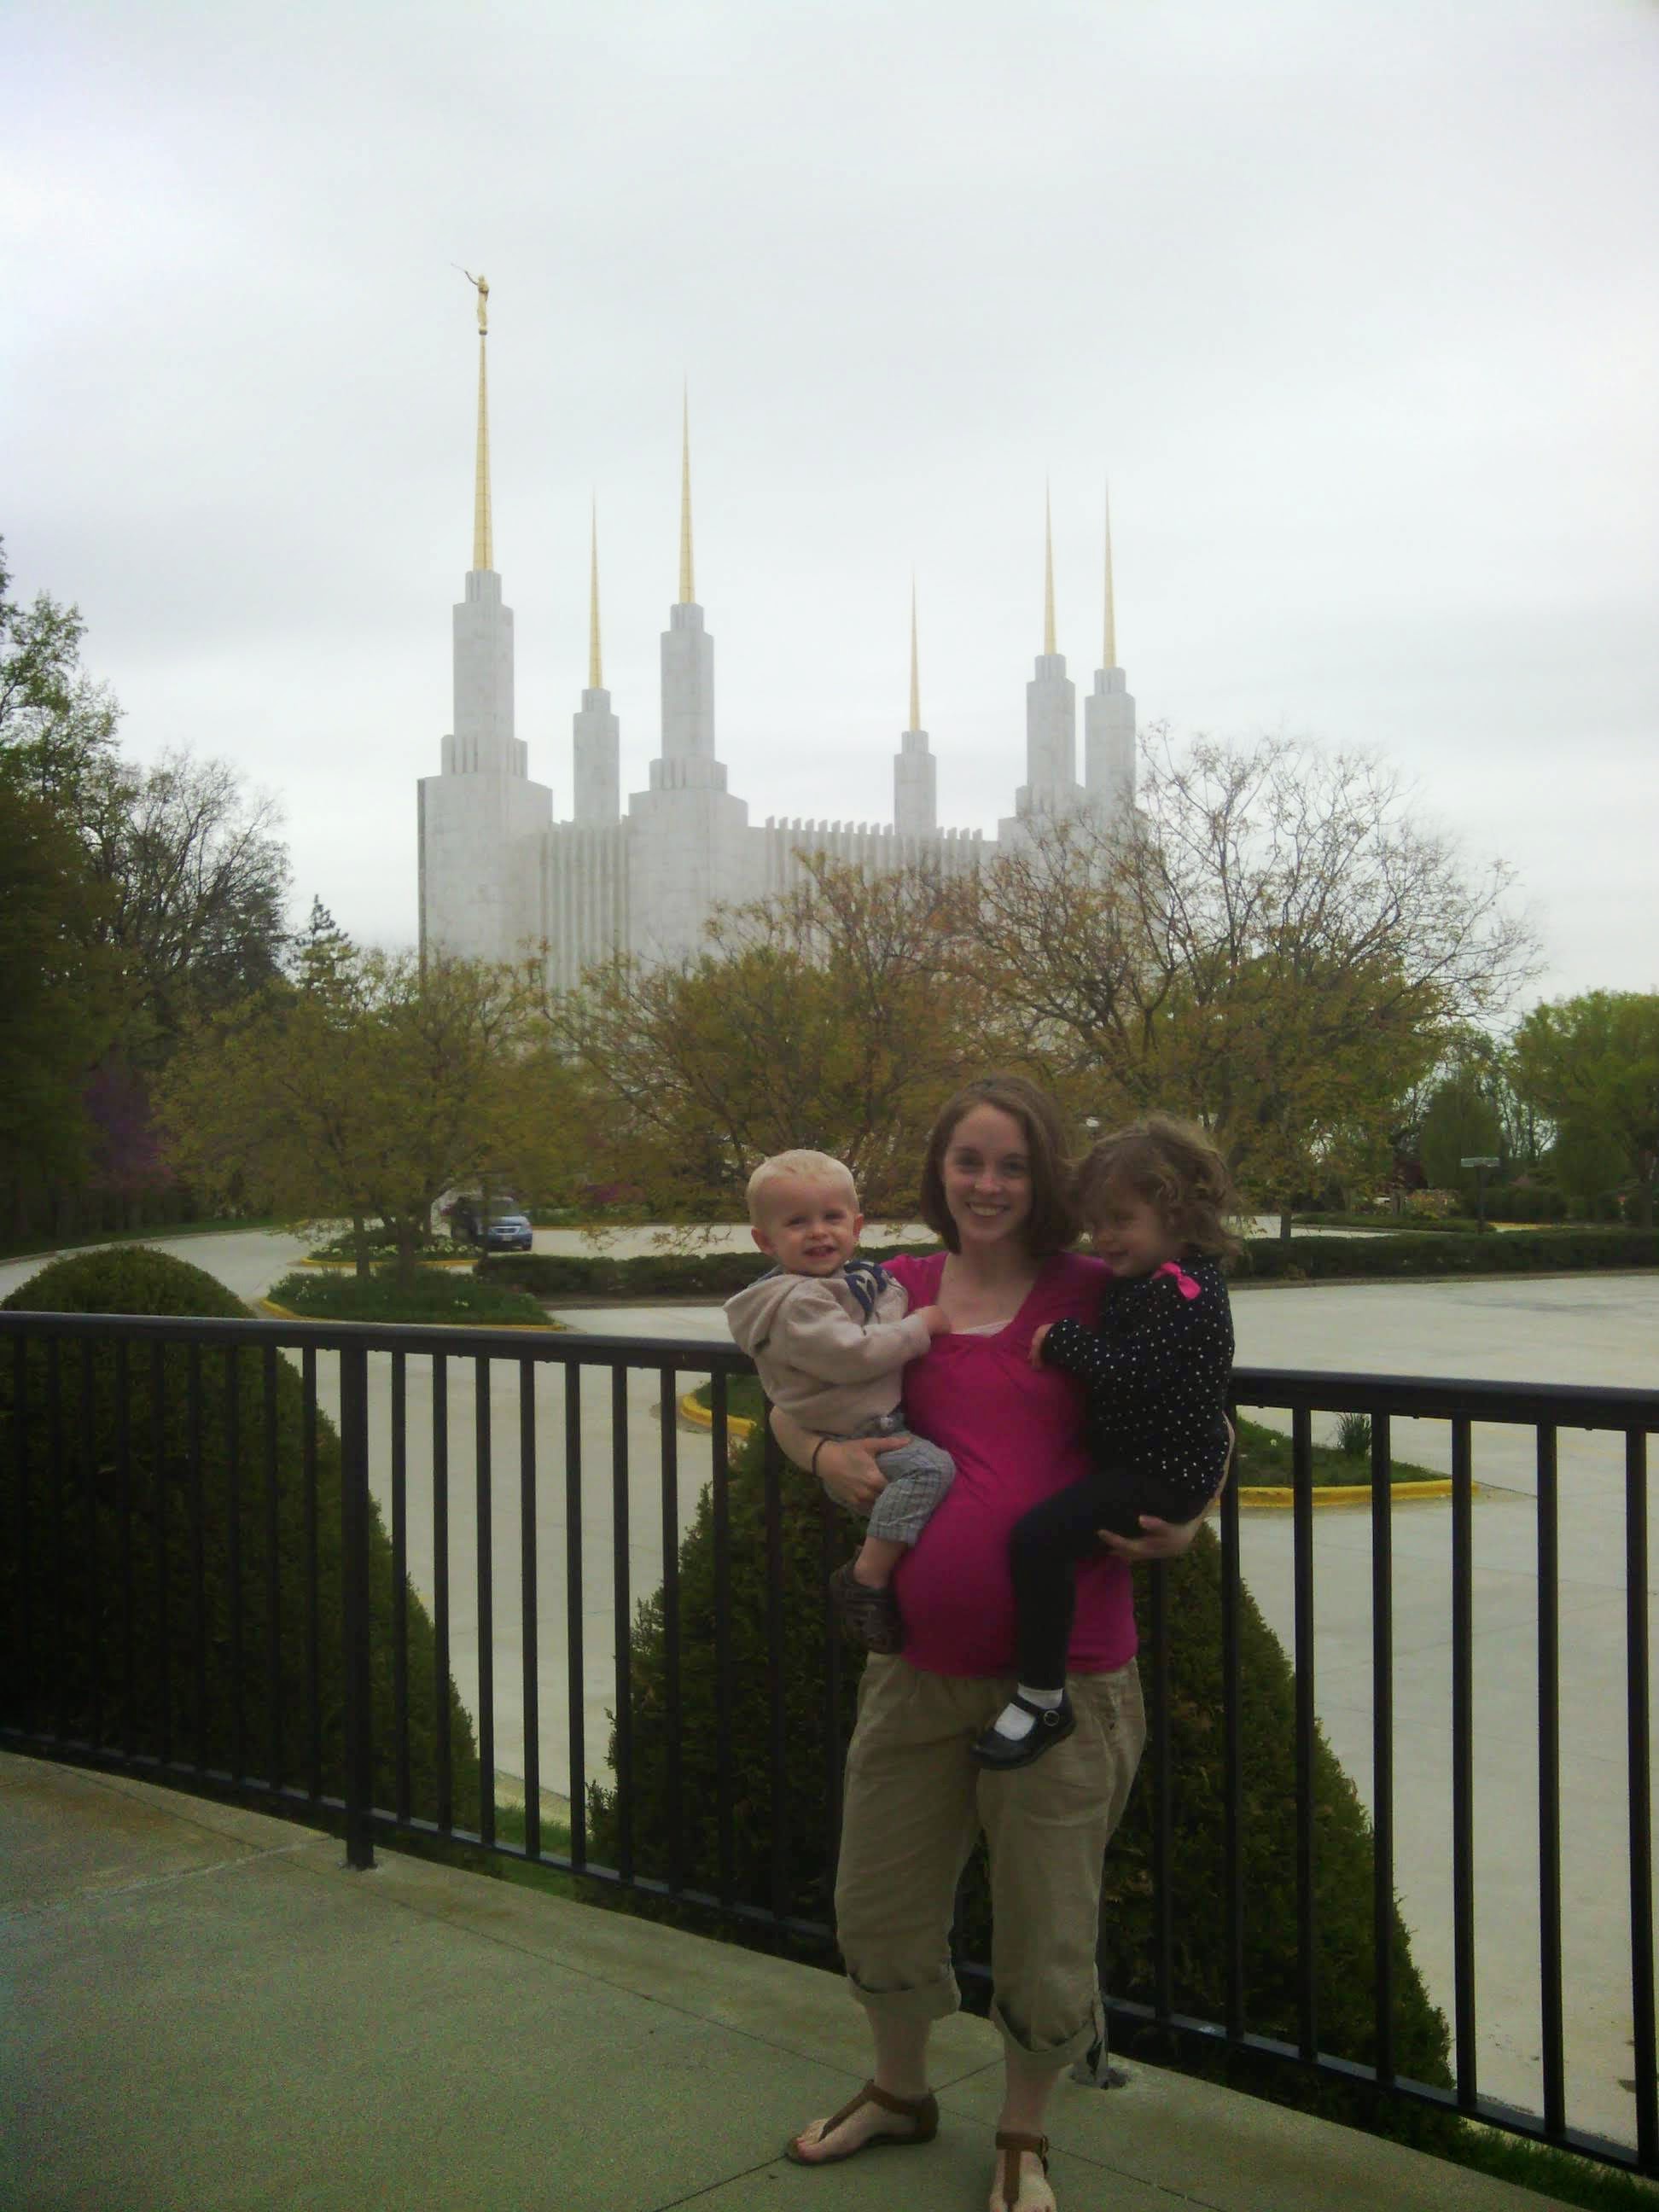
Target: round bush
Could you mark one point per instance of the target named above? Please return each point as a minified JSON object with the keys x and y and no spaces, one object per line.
{"x":120,"y":1458}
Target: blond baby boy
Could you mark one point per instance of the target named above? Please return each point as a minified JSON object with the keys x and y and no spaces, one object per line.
{"x":829,"y":1333}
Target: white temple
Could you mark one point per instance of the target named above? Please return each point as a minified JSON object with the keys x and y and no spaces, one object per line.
{"x":501,"y":879}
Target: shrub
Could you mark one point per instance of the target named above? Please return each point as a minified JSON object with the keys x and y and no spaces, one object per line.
{"x":68,"y":1675}
{"x":1354,"y":1435}
{"x":432,"y":1297}
{"x":1516,"y":1252}
{"x":665,"y":1274}
{"x":793,"y":1829}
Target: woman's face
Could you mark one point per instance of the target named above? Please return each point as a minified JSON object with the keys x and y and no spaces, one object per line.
{"x":986,"y":1173}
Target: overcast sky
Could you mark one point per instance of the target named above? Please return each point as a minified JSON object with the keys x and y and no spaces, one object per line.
{"x":1355,"y":305}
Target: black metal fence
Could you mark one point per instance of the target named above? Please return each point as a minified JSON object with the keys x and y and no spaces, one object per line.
{"x":207,"y":1539}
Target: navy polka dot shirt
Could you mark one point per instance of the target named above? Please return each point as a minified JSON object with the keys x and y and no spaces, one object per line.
{"x":1156,"y":1367}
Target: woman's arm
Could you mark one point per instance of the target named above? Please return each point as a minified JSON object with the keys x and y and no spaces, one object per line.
{"x":846,"y":1465}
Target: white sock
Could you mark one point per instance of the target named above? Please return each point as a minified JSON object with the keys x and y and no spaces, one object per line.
{"x":1011,"y":1721}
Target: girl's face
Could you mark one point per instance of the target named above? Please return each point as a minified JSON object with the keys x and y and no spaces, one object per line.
{"x":1130,"y":1234}
{"x":986,"y":1173}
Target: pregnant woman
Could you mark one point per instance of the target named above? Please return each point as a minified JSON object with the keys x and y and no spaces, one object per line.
{"x":996,"y":1189}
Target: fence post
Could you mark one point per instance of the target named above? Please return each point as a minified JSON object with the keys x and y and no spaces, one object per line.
{"x":359,"y":1781}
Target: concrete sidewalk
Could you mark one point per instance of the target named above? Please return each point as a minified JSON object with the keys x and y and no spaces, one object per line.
{"x":203,"y":2008}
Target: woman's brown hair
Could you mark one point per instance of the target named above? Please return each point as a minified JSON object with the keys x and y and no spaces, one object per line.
{"x":1053,"y":1219}
{"x":1173,"y":1167}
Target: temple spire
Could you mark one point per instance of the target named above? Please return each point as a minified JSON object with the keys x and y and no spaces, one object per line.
{"x":915,"y":676}
{"x":1110,"y":658}
{"x":688,"y":589}
{"x":484,"y":553}
{"x":595,"y":670}
{"x":1048,"y":575}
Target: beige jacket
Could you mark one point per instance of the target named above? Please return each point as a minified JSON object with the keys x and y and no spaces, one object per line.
{"x":818,"y":1358}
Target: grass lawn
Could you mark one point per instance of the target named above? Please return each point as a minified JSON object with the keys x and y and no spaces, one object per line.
{"x":434,"y":1297}
{"x":1264,"y":1456}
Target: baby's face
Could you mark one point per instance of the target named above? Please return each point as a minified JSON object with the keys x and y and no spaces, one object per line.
{"x":808,"y":1228}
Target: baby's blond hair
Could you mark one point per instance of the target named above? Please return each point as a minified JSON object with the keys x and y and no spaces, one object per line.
{"x":806,"y":1167}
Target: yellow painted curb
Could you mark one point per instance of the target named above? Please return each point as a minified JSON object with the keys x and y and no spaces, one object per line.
{"x":268,"y":1307}
{"x":1268,"y":1494}
{"x":1264,"y":1495}
{"x":737,"y":1424}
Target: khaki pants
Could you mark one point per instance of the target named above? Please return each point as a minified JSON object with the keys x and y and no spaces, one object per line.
{"x":914,"y":1802}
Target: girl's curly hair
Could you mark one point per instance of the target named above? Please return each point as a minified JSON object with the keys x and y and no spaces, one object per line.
{"x":1173,"y":1167}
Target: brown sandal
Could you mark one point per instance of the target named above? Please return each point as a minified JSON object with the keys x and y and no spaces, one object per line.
{"x":1010,"y":2145}
{"x":924,"y":2110}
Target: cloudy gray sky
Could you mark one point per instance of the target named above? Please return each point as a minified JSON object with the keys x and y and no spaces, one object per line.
{"x":1355,"y":306}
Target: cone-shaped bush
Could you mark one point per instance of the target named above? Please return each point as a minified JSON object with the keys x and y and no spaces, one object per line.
{"x":167,"y":1526}
{"x":780,"y":1845}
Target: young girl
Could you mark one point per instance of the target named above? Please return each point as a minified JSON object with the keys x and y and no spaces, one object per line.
{"x":1155,"y":1367}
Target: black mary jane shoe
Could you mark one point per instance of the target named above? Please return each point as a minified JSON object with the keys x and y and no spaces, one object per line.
{"x":1051,"y":1725}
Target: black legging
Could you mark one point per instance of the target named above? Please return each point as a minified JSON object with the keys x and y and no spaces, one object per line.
{"x":1046,"y":1545}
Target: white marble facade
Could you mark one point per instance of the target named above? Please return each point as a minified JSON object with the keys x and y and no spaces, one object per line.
{"x":501,"y":879}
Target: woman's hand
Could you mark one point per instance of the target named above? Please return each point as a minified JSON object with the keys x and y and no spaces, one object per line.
{"x":846,"y":1466}
{"x":1158,"y":1540}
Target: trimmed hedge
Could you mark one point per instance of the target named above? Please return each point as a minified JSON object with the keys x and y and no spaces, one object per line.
{"x":455,"y":1298}
{"x":64,"y":1625}
{"x":721,"y":1275}
{"x":1515,"y":1252}
{"x":795,"y":1823}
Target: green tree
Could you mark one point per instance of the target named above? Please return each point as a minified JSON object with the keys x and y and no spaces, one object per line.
{"x":1459,"y":1122}
{"x":812,"y":1019}
{"x":1591,"y":1065}
{"x":369,"y":1099}
{"x":1273,"y":946}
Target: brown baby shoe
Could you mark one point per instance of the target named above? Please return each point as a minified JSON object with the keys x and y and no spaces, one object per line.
{"x":870,"y":1616}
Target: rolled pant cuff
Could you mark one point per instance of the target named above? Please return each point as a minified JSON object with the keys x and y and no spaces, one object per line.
{"x":929,"y":2001}
{"x":1053,"y":2057}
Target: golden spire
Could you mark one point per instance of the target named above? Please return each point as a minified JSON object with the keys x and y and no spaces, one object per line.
{"x":595,"y":671}
{"x":915,"y":679}
{"x":1048,"y":576}
{"x":688,"y":590}
{"x":1110,"y":661}
{"x":483,"y":554}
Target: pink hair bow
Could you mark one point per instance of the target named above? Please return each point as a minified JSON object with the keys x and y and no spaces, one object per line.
{"x":1184,"y":1283}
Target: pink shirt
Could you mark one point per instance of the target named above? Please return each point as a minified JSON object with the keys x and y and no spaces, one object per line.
{"x":1016,"y":1434}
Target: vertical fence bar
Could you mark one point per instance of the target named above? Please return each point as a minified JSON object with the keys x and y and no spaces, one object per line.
{"x":403,"y":1781}
{"x":670,"y":1622}
{"x":1464,"y":1761}
{"x":444,"y":1808}
{"x":829,"y":1536}
{"x":1307,"y":1930}
{"x":719,"y":1502}
{"x":1639,"y":1761}
{"x":778,"y":1733}
{"x":23,"y":1618}
{"x":1382,"y":1741}
{"x":277,"y":1765}
{"x":1549,"y":1787}
{"x":532,"y":1720}
{"x":622,"y":1604}
{"x":233,"y":1559}
{"x":92,"y":1579}
{"x":124,"y":1495}
{"x":1157,"y":1604}
{"x":55,"y":1460}
{"x":198,"y":1550}
{"x":485,"y":1580}
{"x":572,"y":1567}
{"x":357,"y":1674}
{"x":1232,"y":1731}
{"x":313,"y":1582}
{"x":158,"y":1445}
